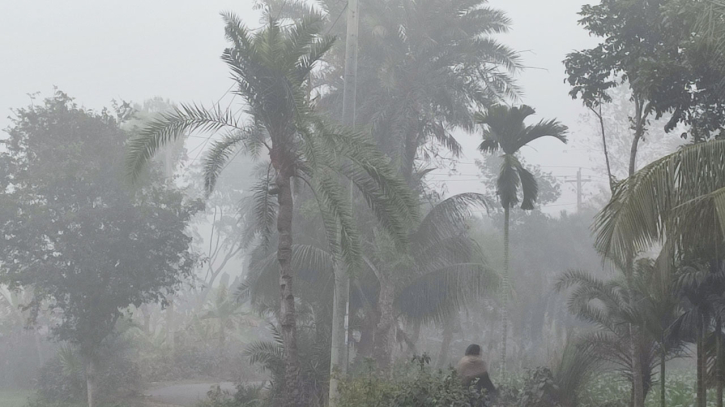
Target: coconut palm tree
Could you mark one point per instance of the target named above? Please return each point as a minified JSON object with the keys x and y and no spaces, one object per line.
{"x":270,"y":68}
{"x":504,"y":130}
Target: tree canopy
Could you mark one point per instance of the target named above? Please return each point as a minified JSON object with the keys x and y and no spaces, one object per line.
{"x":89,"y":245}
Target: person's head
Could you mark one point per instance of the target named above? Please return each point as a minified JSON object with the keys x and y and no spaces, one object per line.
{"x":473,"y":350}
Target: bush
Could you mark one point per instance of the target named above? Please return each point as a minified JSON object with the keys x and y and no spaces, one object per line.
{"x":246,"y":396}
{"x":539,"y":390}
{"x":62,"y":378}
{"x":416,"y":386}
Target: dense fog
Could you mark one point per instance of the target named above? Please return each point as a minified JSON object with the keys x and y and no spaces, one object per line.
{"x":353,"y":203}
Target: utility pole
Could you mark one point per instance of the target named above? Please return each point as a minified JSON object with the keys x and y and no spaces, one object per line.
{"x":579,"y":182}
{"x":339,"y":351}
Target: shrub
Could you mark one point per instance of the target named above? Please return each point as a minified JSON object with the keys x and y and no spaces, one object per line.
{"x":540,"y":389}
{"x":419,"y":386}
{"x":62,"y":378}
{"x":246,"y":396}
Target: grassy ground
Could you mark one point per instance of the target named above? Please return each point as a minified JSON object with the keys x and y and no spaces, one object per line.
{"x":14,"y":398}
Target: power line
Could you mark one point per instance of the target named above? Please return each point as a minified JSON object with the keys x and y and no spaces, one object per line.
{"x":338,"y":17}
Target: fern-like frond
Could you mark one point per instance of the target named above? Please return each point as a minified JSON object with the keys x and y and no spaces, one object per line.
{"x":169,"y":126}
{"x":644,"y":207}
{"x":435,"y":295}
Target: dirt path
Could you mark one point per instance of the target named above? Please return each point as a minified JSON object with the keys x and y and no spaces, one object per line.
{"x":183,"y":394}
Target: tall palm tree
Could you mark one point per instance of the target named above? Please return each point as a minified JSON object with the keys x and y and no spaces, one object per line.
{"x":270,"y":68}
{"x":504,"y":130}
{"x":427,"y":66}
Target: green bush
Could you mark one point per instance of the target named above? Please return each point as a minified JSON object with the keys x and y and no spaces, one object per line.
{"x":62,"y":378}
{"x":245,"y":396}
{"x":412,"y":385}
{"x":540,"y":389}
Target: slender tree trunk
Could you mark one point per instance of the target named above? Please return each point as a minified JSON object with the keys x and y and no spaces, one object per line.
{"x":415,"y":336}
{"x":171,"y":325}
{"x":448,"y":329}
{"x":294,"y":392}
{"x":718,"y":362}
{"x":634,"y":338}
{"x":663,"y":360}
{"x":383,"y":343}
{"x":637,"y":383}
{"x":222,"y":336}
{"x":38,"y":347}
{"x":367,"y":336}
{"x":91,"y":381}
{"x":701,"y":366}
{"x":600,"y":117}
{"x":504,"y":290}
{"x":146,"y":318}
{"x":639,"y":129}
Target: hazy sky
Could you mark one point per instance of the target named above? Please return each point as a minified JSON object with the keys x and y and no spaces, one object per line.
{"x":133,"y":50}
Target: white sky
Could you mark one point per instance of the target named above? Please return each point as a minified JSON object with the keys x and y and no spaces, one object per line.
{"x":134,"y":50}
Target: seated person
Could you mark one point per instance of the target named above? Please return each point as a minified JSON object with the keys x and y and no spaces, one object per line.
{"x":472,"y":368}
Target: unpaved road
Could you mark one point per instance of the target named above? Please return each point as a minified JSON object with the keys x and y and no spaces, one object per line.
{"x":184,"y":394}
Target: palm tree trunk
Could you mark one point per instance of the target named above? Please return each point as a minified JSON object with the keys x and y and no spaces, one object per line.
{"x":663,"y":357}
{"x":383,"y":342}
{"x":294,"y":392}
{"x":91,"y":381}
{"x":718,"y":362}
{"x":504,"y":290}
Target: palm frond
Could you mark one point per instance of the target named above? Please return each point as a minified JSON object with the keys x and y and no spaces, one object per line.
{"x":644,"y":207}
{"x":508,"y":181}
{"x":263,"y":208}
{"x":575,"y":369}
{"x":529,"y":187}
{"x":545,"y":128}
{"x":331,"y":196}
{"x":169,"y":126}
{"x":218,"y":157}
{"x":435,"y":295}
{"x":447,"y":219}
